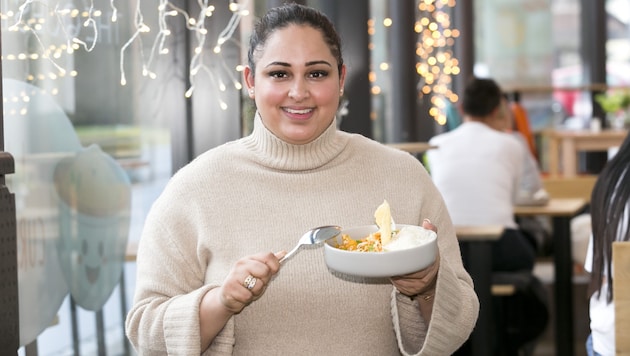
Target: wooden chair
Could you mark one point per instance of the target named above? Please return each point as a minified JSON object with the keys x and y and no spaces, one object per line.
{"x":570,"y":187}
{"x":621,"y":296}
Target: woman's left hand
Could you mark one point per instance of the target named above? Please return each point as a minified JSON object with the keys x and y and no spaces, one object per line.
{"x":421,"y":282}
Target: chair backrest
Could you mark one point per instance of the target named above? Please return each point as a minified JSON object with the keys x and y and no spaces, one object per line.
{"x":570,"y":187}
{"x":621,"y":296}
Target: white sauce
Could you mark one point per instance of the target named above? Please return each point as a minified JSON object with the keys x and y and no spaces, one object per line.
{"x":408,"y":237}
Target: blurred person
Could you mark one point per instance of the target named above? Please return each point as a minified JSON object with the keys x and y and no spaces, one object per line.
{"x":481,"y":169}
{"x":531,"y":190}
{"x":207,"y":281}
{"x":521,"y":123}
{"x":610,"y":211}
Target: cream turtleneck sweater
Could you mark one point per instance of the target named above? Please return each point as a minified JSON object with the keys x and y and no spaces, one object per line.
{"x":259,"y":194}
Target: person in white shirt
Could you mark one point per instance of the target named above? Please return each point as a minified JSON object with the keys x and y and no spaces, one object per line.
{"x":479,"y":169}
{"x":610,"y":206}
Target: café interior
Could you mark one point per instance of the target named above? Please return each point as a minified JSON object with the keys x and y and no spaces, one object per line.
{"x":152,"y":86}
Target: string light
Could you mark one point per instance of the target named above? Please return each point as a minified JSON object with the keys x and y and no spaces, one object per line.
{"x":196,"y":24}
{"x":436,"y":63}
{"x":114,"y":11}
{"x":140,"y":28}
{"x":26,"y":27}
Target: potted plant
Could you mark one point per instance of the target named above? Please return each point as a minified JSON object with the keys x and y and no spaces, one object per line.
{"x":616,"y":104}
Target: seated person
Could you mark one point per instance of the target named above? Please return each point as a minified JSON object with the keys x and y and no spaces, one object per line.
{"x":530,"y":190}
{"x":480,"y":169}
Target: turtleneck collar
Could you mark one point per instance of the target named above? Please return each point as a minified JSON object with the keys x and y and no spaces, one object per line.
{"x":271,"y":151}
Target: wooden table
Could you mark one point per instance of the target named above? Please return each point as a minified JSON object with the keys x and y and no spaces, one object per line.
{"x":476,"y":241}
{"x":412,"y":147}
{"x":564,"y":146}
{"x":561,"y":211}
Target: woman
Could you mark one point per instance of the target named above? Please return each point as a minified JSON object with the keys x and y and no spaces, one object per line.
{"x":203,"y":284}
{"x":610,"y":209}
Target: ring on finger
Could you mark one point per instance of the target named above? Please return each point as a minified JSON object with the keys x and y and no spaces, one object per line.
{"x":250,"y":282}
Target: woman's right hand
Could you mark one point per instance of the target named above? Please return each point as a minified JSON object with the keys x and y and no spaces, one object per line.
{"x":219,"y":304}
{"x":248,"y":280}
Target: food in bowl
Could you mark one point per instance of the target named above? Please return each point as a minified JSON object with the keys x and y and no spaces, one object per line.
{"x":411,"y":249}
{"x":387,"y":238}
{"x":407,"y":237}
{"x":384,"y":221}
{"x":380,"y":264}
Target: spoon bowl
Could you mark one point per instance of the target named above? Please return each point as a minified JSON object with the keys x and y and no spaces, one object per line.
{"x":313,"y":237}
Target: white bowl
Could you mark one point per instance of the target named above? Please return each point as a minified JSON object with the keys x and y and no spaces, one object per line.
{"x":378,"y":264}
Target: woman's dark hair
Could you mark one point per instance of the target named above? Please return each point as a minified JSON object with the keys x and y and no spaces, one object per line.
{"x":481,"y":97}
{"x":610,"y":200}
{"x":293,"y":14}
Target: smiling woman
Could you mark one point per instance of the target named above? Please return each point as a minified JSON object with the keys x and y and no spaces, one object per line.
{"x":296,"y":88}
{"x":209,"y":275}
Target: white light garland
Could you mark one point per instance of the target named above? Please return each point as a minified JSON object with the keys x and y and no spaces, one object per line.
{"x":196,"y":24}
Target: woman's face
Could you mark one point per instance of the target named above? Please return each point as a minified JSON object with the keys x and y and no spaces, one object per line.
{"x":296,"y":85}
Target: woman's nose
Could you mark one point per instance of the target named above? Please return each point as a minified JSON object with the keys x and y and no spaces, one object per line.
{"x":298,"y":91}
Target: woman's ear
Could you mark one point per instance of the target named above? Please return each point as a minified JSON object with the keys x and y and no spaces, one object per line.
{"x":248,"y":75}
{"x":342,"y":78}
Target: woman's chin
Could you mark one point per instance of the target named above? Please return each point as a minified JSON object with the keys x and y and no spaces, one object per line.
{"x":299,"y":137}
{"x":301,"y":134}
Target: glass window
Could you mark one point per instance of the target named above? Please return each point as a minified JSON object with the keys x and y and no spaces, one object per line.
{"x":91,"y":156}
{"x":518,"y":43}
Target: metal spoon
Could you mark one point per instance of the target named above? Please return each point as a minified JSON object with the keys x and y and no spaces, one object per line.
{"x":313,"y":237}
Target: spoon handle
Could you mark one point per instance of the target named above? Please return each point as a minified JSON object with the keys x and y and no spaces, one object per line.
{"x":290,"y":253}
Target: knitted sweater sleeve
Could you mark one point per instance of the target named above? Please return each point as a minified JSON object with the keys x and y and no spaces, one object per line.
{"x":164,"y":319}
{"x":456,"y":305}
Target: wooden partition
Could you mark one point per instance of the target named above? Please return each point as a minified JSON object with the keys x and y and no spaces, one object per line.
{"x":621,"y":296}
{"x":564,"y":146}
{"x":579,"y":186}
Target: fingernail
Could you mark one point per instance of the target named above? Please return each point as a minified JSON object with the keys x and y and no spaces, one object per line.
{"x":428,"y":221}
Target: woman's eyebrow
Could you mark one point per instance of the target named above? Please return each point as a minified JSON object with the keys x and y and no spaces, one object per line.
{"x":308,"y":64}
{"x":318,"y":62}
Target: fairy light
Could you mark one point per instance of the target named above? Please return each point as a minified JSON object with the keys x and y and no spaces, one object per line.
{"x":20,"y":24}
{"x":114,"y":11}
{"x":196,"y":63}
{"x":204,"y":52}
{"x":436,"y":64}
{"x":89,"y":22}
{"x":140,"y":28}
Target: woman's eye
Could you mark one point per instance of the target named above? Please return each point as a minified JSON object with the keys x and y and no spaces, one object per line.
{"x":278,"y":74}
{"x":319,"y":74}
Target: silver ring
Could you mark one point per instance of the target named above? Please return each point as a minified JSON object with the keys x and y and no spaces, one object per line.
{"x":250,"y":282}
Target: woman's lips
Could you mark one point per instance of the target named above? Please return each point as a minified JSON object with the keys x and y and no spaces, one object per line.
{"x":298,"y":113}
